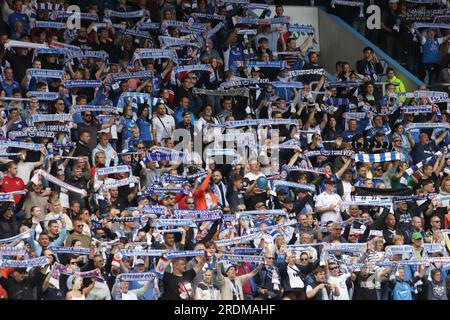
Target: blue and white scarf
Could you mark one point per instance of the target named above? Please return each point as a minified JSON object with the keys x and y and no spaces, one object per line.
{"x":289,"y":184}
{"x":125,"y":15}
{"x":144,"y":276}
{"x":418,"y":109}
{"x":30,"y":263}
{"x":275,"y":212}
{"x":22,"y":236}
{"x":178,"y":179}
{"x":194,"y":67}
{"x":305,"y":169}
{"x":254,"y":122}
{"x":83,"y":108}
{"x":148,"y":252}
{"x":20,"y":145}
{"x":149,"y":26}
{"x":296,"y":73}
{"x":355,"y":115}
{"x":182,"y":254}
{"x":244,"y":92}
{"x":234,"y":258}
{"x":255,"y":21}
{"x":45,"y":73}
{"x":399,"y":249}
{"x":60,"y":183}
{"x":276,"y":226}
{"x":248,"y":251}
{"x":86,"y":54}
{"x":243,"y":83}
{"x":120,"y":183}
{"x":156,"y":210}
{"x":433,"y":25}
{"x":49,"y":24}
{"x":291,"y":84}
{"x":350,"y":4}
{"x":12,"y":251}
{"x":329,"y":153}
{"x":155,"y":54}
{"x":70,"y":84}
{"x":71,"y":250}
{"x":61,"y":117}
{"x":31,"y":132}
{"x":341,"y":84}
{"x":367,"y":201}
{"x":66,"y":14}
{"x":379,"y":157}
{"x":137,"y":33}
{"x":54,"y":128}
{"x":236,"y":240}
{"x":214,"y":30}
{"x":301,"y":28}
{"x":427,"y":125}
{"x":111,"y":170}
{"x":209,"y":16}
{"x":132,"y":75}
{"x":408,"y":172}
{"x":347,"y":247}
{"x":43,"y":96}
{"x":159,"y":189}
{"x":175,"y":222}
{"x":278,"y":64}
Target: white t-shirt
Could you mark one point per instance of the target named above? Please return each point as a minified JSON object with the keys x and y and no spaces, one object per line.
{"x":340,"y":283}
{"x":324,"y":200}
{"x":163,"y":131}
{"x":295,"y":281}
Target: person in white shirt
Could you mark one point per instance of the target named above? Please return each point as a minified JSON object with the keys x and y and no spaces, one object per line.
{"x":163,"y":124}
{"x":339,"y":280}
{"x":328,"y":204}
{"x":206,"y":289}
{"x":125,"y":294}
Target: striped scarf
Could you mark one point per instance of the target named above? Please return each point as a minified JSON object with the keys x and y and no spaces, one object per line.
{"x":289,"y":184}
{"x":378,"y":157}
{"x":408,"y":172}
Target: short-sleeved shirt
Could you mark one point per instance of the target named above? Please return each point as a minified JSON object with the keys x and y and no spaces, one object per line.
{"x":178,"y":288}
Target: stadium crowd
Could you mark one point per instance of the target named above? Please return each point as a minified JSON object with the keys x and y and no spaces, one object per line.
{"x":198,"y":150}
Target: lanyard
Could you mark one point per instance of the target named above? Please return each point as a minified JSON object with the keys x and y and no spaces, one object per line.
{"x":235,"y":290}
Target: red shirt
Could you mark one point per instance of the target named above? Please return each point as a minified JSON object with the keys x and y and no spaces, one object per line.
{"x":13,"y":184}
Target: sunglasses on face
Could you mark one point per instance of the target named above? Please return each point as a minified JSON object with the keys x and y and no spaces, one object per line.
{"x":334,"y":268}
{"x":304,"y":259}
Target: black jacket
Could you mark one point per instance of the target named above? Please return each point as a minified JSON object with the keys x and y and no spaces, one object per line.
{"x":285,"y":276}
{"x":8,"y":227}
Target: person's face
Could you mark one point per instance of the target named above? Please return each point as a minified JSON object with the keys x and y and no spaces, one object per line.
{"x":78,"y":227}
{"x":390,"y":220}
{"x":320,"y":277}
{"x":368,"y":54}
{"x":334,"y":269}
{"x":180,"y":265}
{"x":238,"y":184}
{"x":279,"y":11}
{"x":101,"y":159}
{"x":390,"y":74}
{"x":446,"y":186}
{"x":43,"y":240}
{"x":362,"y":172}
{"x":378,"y":121}
{"x":270,"y":260}
{"x":9,"y":74}
{"x":437,"y":277}
{"x":18,"y":6}
{"x":314,"y":59}
{"x":436,"y":223}
{"x":208,"y":276}
{"x":161,"y":109}
{"x":402,"y":206}
{"x":139,"y":268}
{"x":429,"y":188}
{"x":98,"y":262}
{"x":336,"y":232}
{"x":217,"y":177}
{"x":416,"y":223}
{"x":169,"y":239}
{"x":54,"y":228}
{"x":231,"y":273}
{"x":352,"y":125}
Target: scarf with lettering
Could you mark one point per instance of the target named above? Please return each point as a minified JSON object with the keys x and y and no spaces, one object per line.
{"x":44,"y":96}
{"x":45,"y":73}
{"x":155,"y":54}
{"x":148,"y":252}
{"x":83,"y":108}
{"x":160,"y":189}
{"x":172,"y":254}
{"x":71,"y":250}
{"x":296,"y":73}
{"x":29,"y":263}
{"x":290,"y":84}
{"x":244,"y":92}
{"x":263,"y":22}
{"x":306,"y":169}
{"x":241,"y":214}
{"x":301,"y":28}
{"x":12,"y":251}
{"x":21,"y":145}
{"x":60,"y":183}
{"x":86,"y":54}
{"x":149,"y":26}
{"x":62,"y":117}
{"x":22,"y":236}
{"x":329,"y":153}
{"x":120,"y":183}
{"x":70,"y":84}
{"x":367,"y":201}
{"x":175,"y":222}
{"x":254,"y":122}
{"x":125,"y":15}
{"x":243,"y":83}
{"x":111,"y":170}
{"x":289,"y":184}
{"x":235,"y":258}
{"x":427,"y":125}
{"x":31,"y":132}
{"x":143,"y":276}
{"x":418,"y":109}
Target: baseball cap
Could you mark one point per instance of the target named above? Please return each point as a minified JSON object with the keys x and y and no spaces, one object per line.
{"x":229,"y":266}
{"x":416,"y":235}
{"x":139,"y":261}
